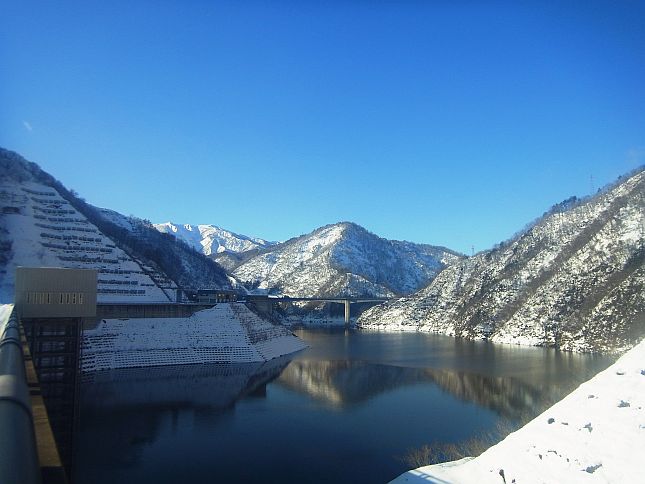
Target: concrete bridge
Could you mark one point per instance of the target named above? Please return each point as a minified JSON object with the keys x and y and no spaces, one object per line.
{"x":265,"y":304}
{"x":262,"y":303}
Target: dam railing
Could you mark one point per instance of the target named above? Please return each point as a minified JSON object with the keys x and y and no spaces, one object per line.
{"x":18,"y":450}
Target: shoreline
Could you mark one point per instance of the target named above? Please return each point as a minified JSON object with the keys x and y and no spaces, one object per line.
{"x":594,"y":434}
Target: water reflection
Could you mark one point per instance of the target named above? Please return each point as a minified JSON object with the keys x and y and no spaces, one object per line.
{"x":346,"y":383}
{"x":125,"y":411}
{"x":339,"y":383}
{"x":425,"y":350}
{"x":215,"y":386}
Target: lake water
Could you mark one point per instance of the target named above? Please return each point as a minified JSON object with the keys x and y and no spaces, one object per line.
{"x":348,"y":409}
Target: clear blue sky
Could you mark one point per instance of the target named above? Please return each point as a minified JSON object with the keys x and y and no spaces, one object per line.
{"x":451,"y":123}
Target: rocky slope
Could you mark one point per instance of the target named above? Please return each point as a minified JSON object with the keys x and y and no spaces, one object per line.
{"x":344,"y":258}
{"x":573,"y":280}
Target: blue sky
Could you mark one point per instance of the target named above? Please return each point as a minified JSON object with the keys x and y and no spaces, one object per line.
{"x":451,"y":123}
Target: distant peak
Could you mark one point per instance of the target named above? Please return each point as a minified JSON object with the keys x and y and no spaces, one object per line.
{"x":344,"y":225}
{"x":349,"y":224}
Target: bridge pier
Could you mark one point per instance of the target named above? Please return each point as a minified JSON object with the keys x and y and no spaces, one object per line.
{"x":347,"y":311}
{"x":264,"y":303}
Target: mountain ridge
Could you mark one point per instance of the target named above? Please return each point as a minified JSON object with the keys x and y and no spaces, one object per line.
{"x":343,"y":258}
{"x":212,"y":239}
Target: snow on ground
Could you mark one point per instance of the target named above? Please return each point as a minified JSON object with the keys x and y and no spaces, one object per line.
{"x":227,"y":333}
{"x":117,"y":219}
{"x":595,"y":434}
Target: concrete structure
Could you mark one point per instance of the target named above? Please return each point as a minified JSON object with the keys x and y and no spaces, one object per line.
{"x":52,"y":305}
{"x":146,"y":310}
{"x":265,"y":304}
{"x":261,"y":303}
{"x":48,"y":292}
{"x":216,"y":296}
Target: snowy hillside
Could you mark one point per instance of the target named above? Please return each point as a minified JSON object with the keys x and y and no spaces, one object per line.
{"x":166,"y":257}
{"x":573,"y":280}
{"x":43,"y":223}
{"x":190,"y":268}
{"x":40,"y":228}
{"x":344,"y":258}
{"x":210,"y":239}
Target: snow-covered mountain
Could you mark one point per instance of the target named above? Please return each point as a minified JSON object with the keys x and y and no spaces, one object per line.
{"x":573,"y":280}
{"x":44,"y":224}
{"x":188,"y":267}
{"x":39,"y":227}
{"x":210,"y":239}
{"x":344,"y":259}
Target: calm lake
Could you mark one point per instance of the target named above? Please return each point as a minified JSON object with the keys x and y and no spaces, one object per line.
{"x":348,"y":409}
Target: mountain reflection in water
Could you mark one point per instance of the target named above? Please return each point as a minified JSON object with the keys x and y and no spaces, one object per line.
{"x":341,"y":383}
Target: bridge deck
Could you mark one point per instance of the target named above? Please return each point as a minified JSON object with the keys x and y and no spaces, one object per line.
{"x":329,"y":299}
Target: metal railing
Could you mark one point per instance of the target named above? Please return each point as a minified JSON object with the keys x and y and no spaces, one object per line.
{"x":18,"y":454}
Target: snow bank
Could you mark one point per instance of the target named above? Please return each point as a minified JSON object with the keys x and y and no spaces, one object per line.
{"x":595,"y":434}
